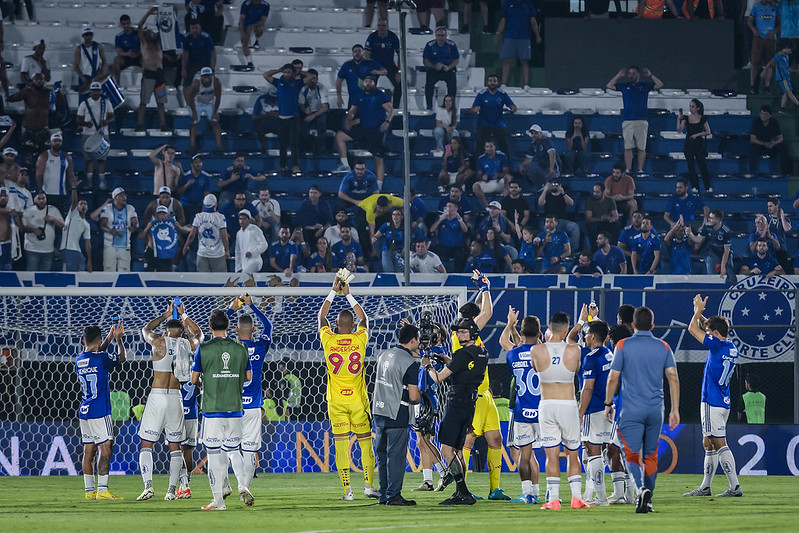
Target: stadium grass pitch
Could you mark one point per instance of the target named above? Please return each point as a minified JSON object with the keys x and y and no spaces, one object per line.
{"x":310,"y":502}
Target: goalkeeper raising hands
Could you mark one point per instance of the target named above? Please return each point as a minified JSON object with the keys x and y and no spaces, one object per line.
{"x":347,"y":399}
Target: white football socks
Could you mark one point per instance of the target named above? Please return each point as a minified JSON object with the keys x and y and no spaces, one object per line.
{"x":596,"y":471}
{"x":217,"y":473}
{"x":250,"y":464}
{"x":88,"y":482}
{"x":238,"y":468}
{"x":553,"y":488}
{"x":527,"y":487}
{"x":102,"y":482}
{"x":427,"y":475}
{"x":575,"y":484}
{"x":727,"y":462}
{"x":711,"y":462}
{"x":175,"y":464}
{"x":146,"y":466}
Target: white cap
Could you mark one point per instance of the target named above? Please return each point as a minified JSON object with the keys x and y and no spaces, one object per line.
{"x":9,"y":150}
{"x":209,"y":200}
{"x":165,"y":190}
{"x":86,"y":29}
{"x":56,"y":135}
{"x":117,"y":192}
{"x":206,"y":71}
{"x":3,"y":190}
{"x":162,"y":209}
{"x":535,"y":127}
{"x":495,"y":204}
{"x":245,"y":212}
{"x":95,"y":86}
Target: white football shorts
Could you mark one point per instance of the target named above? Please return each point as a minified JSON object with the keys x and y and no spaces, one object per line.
{"x":96,"y":430}
{"x":559,"y":421}
{"x":162,"y":413}
{"x":596,"y":428}
{"x":222,"y":433}
{"x":714,"y":420}
{"x":251,"y":430}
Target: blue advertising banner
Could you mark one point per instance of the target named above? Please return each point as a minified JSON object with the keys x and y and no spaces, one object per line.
{"x":44,"y":449}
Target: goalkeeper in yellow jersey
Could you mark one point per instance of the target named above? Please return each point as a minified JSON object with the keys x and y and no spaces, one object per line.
{"x":347,"y":399}
{"x":485,"y":422}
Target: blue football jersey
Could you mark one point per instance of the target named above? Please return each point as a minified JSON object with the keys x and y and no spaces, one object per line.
{"x":528,"y":384}
{"x":596,"y":366}
{"x":188,"y":394}
{"x":253,"y":396}
{"x":720,"y":364}
{"x":92,"y":369}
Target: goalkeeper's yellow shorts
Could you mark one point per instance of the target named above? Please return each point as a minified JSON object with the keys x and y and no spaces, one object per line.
{"x":486,"y":417}
{"x":346,"y":417}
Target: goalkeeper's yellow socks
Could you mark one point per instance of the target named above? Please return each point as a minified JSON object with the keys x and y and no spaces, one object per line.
{"x":494,"y":458}
{"x":466,"y":455}
{"x":368,"y":459}
{"x":343,"y":460}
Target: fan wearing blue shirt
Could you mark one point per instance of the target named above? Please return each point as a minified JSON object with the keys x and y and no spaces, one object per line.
{"x":762,"y":20}
{"x":609,"y":258}
{"x":761,"y":263}
{"x":646,"y":250}
{"x":635,"y":96}
{"x":354,"y":72}
{"x":92,"y":367}
{"x":493,"y":173}
{"x":440,"y":57}
{"x":374,"y":114}
{"x":283,"y":254}
{"x":288,"y":87}
{"x":684,"y":205}
{"x":357,"y":184}
{"x":252,"y":19}
{"x":479,"y":258}
{"x":715,"y":405}
{"x":518,"y":20}
{"x":127,"y":47}
{"x":489,"y":105}
{"x":524,"y":430}
{"x":198,"y":52}
{"x":680,"y":248}
{"x":383,"y":46}
{"x":451,"y":228}
{"x":553,"y":247}
{"x":344,"y":246}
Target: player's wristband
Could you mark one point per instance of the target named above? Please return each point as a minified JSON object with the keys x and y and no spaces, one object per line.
{"x":331,"y":296}
{"x":609,"y":404}
{"x":351,"y":299}
{"x":580,"y":323}
{"x":184,"y":316}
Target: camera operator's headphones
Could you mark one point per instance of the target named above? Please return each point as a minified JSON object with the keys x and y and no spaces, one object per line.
{"x":467,"y":323}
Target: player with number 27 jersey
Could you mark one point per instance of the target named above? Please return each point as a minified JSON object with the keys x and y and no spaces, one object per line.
{"x":344,"y":355}
{"x":721,"y":358}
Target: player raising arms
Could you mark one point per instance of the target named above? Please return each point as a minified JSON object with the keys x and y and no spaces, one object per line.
{"x":556,"y":363}
{"x":253,"y":396}
{"x":96,"y":431}
{"x":524,"y":429}
{"x":172,"y":355}
{"x":715,"y":407}
{"x":347,"y":399}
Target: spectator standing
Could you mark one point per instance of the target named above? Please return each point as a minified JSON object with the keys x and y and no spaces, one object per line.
{"x":173,"y":206}
{"x":268,"y":209}
{"x":527,"y":250}
{"x":621,"y":188}
{"x":162,"y":235}
{"x":354,"y":72}
{"x":284,"y":254}
{"x":55,"y":172}
{"x":265,"y":116}
{"x":553,"y":245}
{"x":369,"y":11}
{"x":250,"y":244}
{"x":684,"y":205}
{"x":19,"y":197}
{"x":629,"y":232}
{"x":762,"y":231}
{"x":236,"y":178}
{"x":489,"y":105}
{"x":166,"y":172}
{"x":95,"y":114}
{"x":357,"y":184}
{"x":119,"y":221}
{"x":609,"y":258}
{"x":314,"y":215}
{"x":213,"y":247}
{"x":754,"y":401}
{"x":393,"y":234}
{"x":231,"y":210}
{"x":763,"y":21}
{"x":446,"y":122}
{"x":423,"y":14}
{"x":779,"y":225}
{"x":377,"y":210}
{"x":554,"y":200}
{"x":204,"y":96}
{"x":600,"y":213}
{"x":761,"y":263}
{"x":451,"y":228}
{"x":765,"y":138}
{"x":89,"y":60}
{"x":423,"y":261}
{"x":314,"y":107}
{"x":646,"y":250}
{"x":252,"y":20}
{"x":697,"y":129}
{"x":455,"y":169}
{"x":515,"y":208}
{"x":39,"y":223}
{"x":153,"y":82}
{"x":193,"y":186}
{"x":10,"y":249}
{"x":35,"y":134}
{"x":34,"y":64}
{"x":635,"y":95}
{"x":680,"y":248}
{"x":383,"y":46}
{"x":126,"y":44}
{"x":440,"y":57}
{"x":780,"y":65}
{"x":467,"y":15}
{"x":374,"y":117}
{"x":288,"y":103}
{"x":519,"y":25}
{"x":578,"y":147}
{"x":210,"y":13}
{"x":198,"y":52}
{"x":542,"y":162}
{"x":493,"y":173}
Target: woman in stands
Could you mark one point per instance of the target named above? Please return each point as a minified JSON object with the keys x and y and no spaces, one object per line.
{"x":498,"y":251}
{"x":696,"y":130}
{"x":578,"y":147}
{"x":322,"y":259}
{"x":446,"y":122}
{"x":455,"y":167}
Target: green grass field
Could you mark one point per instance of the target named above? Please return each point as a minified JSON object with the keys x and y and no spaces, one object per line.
{"x":310,"y":502}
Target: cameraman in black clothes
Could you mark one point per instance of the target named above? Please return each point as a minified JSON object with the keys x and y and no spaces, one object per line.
{"x":467,"y":370}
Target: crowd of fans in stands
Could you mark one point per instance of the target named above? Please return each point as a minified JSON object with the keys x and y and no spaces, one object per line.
{"x":521,"y":218}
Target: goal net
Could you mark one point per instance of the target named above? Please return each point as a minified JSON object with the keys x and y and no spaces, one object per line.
{"x":40,"y":336}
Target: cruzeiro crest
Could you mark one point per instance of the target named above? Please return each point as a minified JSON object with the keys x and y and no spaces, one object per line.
{"x":762,"y":304}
